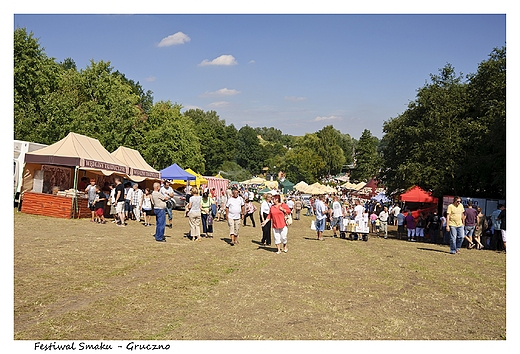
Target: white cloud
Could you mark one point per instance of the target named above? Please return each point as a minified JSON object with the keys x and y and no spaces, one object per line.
{"x":252,"y":62}
{"x":221,"y":60}
{"x":295,"y":99}
{"x":221,"y":92}
{"x":219,"y":104}
{"x":150,"y":79}
{"x":174,"y":39}
{"x":318,"y":119}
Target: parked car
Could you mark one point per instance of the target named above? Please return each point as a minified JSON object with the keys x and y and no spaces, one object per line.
{"x":179,"y":200}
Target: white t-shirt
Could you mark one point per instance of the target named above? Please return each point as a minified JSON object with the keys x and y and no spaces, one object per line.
{"x":265,"y":207}
{"x":383,"y":216}
{"x":336,"y":210}
{"x":359,"y":210}
{"x":290,"y":204}
{"x":234,"y":206}
{"x":396,"y":210}
{"x":321,"y":208}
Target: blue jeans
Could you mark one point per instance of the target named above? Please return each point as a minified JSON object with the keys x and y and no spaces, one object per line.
{"x":160,"y":223}
{"x":469,"y":231}
{"x":169,"y":211}
{"x":456,"y":238}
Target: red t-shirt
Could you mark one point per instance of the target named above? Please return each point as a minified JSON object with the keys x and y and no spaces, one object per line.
{"x":277,"y":216}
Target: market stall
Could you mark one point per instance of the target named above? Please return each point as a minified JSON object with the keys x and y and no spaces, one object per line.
{"x":51,"y":180}
{"x":418,"y":201}
{"x":139,"y":170}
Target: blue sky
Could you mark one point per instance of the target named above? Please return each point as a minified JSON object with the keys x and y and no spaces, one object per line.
{"x":297,"y":73}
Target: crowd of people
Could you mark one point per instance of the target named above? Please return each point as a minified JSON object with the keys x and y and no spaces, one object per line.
{"x":331,"y":212}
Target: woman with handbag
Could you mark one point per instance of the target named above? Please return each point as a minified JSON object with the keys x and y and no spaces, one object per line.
{"x":206,"y":213}
{"x":277,"y":214}
{"x":194,"y":210}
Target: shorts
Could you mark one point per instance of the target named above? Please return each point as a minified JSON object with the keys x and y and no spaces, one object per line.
{"x":234,"y":226}
{"x":320,"y":225}
{"x":400,"y":228}
{"x":280,"y":235}
{"x":503,"y":235}
{"x":113,"y":209}
{"x":120,"y":207}
{"x":419,"y":231}
{"x":92,"y":206}
{"x":336,"y":221}
{"x":100,"y":211}
{"x":147,"y":211}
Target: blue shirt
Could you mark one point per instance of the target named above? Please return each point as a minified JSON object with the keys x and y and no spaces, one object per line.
{"x":400,"y":219}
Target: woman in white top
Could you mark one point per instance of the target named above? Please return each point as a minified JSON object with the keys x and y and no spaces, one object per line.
{"x":193,"y":208}
{"x":265,"y":207}
{"x":147,"y":206}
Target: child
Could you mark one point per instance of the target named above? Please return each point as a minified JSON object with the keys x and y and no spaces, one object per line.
{"x":100,"y":206}
{"x":378,"y":225}
{"x":373,"y":218}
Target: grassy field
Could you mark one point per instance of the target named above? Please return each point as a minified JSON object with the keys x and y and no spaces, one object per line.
{"x":77,"y":280}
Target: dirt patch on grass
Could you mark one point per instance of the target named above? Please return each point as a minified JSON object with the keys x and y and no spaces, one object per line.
{"x":77,"y":280}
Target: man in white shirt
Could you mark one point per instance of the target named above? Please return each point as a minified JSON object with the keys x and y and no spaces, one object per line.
{"x":168,"y":191}
{"x":321,"y":216}
{"x":234,"y":213}
{"x":396,"y":210}
{"x":337,"y":216}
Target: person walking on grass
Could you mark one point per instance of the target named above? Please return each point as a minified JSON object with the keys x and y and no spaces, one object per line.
{"x":455,"y":224}
{"x":470,"y":223}
{"x":321,"y":216}
{"x":383,"y":219}
{"x":120,"y":201}
{"x":91,"y":192}
{"x":235,"y":212}
{"x":277,"y":214}
{"x":99,"y":204}
{"x":159,"y":208}
{"x":265,"y":207}
{"x":194,"y":213}
{"x":147,"y":206}
{"x":410,"y":226}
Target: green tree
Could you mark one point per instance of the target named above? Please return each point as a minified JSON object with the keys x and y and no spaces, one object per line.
{"x":249,"y":151}
{"x":484,"y":171}
{"x":171,"y":139}
{"x":368,"y":161}
{"x":35,"y":76}
{"x":330,"y":151}
{"x":214,"y":144}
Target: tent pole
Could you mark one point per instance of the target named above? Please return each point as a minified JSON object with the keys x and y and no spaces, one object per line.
{"x":75,"y":197}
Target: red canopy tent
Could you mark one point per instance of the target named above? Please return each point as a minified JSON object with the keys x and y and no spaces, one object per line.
{"x":419,"y":201}
{"x":418,"y":195}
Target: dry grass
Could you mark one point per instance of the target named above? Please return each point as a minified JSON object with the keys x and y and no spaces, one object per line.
{"x":83,"y":281}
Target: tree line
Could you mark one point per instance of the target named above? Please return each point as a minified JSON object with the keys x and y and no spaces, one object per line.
{"x":452,"y":123}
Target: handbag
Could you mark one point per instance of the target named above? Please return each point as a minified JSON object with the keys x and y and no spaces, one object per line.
{"x":288,"y":219}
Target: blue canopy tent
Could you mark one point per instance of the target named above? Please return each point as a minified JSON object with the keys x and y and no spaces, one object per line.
{"x":381,"y":198}
{"x":176,"y":172}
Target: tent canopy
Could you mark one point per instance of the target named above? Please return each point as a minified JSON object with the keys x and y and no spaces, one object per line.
{"x":176,"y":172}
{"x":78,"y":150}
{"x":139,"y":168}
{"x":199,"y":179}
{"x":381,"y":198}
{"x":418,"y":195}
{"x":286,"y":185}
